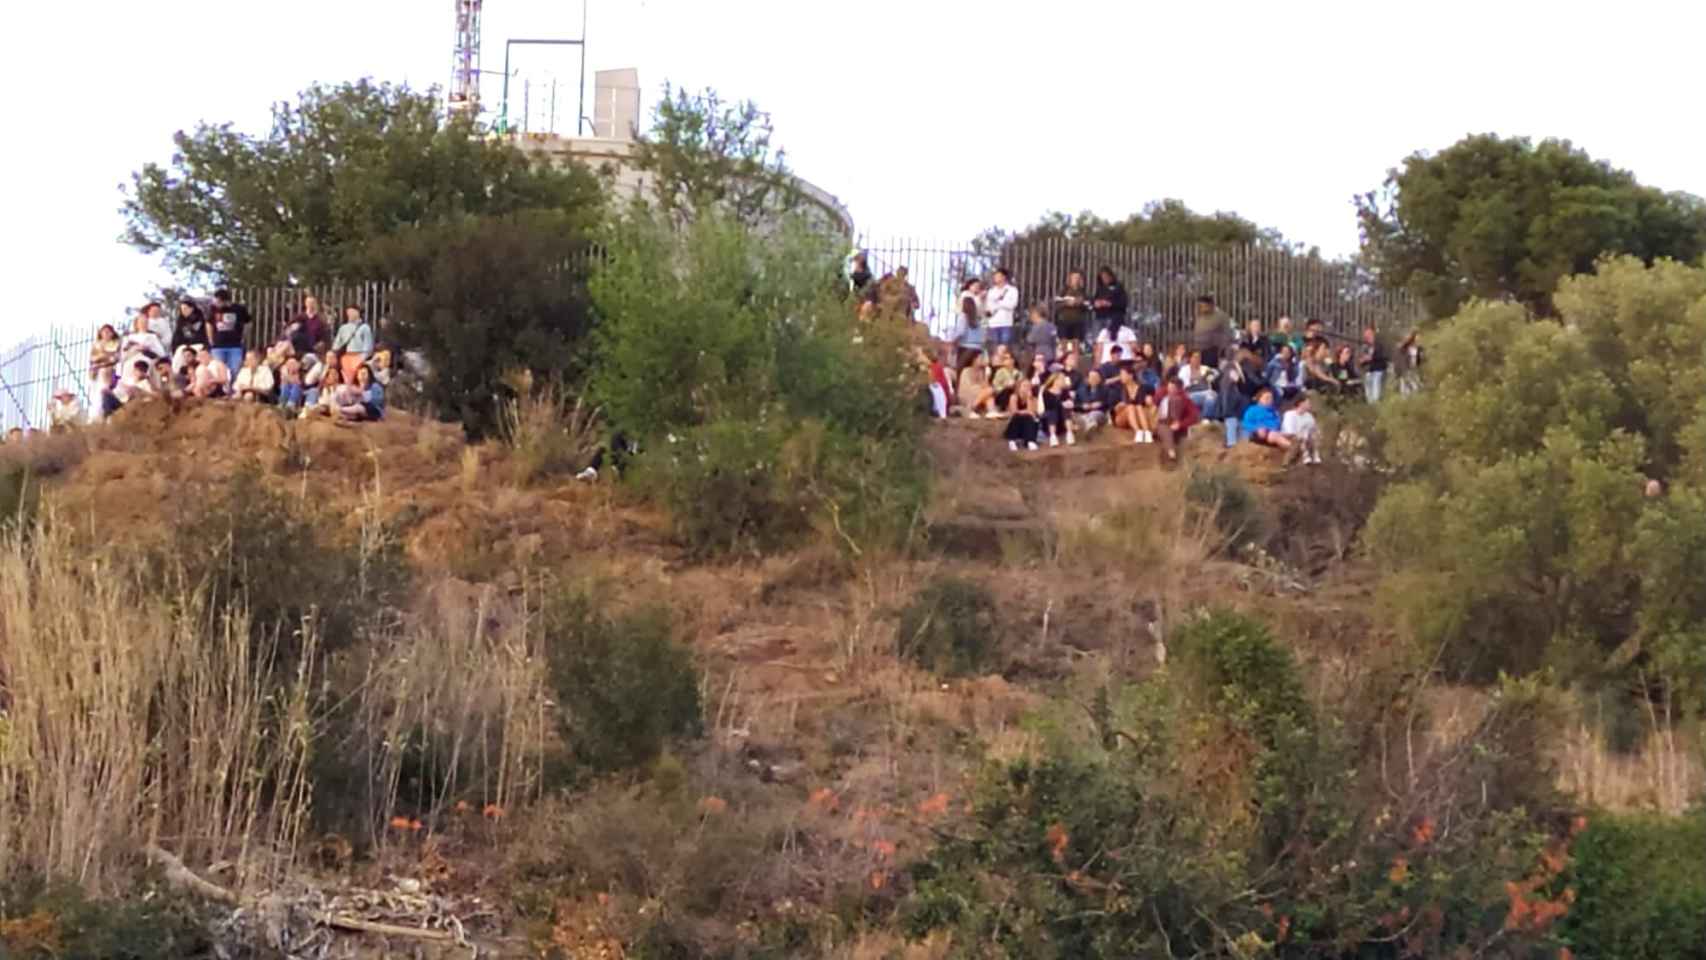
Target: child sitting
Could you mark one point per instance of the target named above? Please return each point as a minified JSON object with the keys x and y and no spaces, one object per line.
{"x":290,"y":392}
{"x":1262,"y":425}
{"x":1299,"y":424}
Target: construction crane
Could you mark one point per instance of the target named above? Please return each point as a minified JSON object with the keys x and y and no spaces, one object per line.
{"x":465,"y":67}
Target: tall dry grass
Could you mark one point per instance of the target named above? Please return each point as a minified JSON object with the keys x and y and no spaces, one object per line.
{"x":134,"y":718}
{"x":548,"y":431}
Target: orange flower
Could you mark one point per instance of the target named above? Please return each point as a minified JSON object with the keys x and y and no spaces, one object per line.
{"x":884,"y":849}
{"x":825,"y":799}
{"x":1578,"y":825}
{"x":399,"y":823}
{"x":462,"y":806}
{"x":1423,"y":833}
{"x":878,"y":879}
{"x":934,"y":807}
{"x":1058,"y":838}
{"x":493,"y":812}
{"x":1400,"y":870}
{"x":711,"y":806}
{"x":1565,"y":954}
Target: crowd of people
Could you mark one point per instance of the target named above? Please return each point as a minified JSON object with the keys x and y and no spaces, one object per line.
{"x":311,"y":370}
{"x":1066,"y":366}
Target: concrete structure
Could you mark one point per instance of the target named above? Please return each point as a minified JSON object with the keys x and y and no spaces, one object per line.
{"x":610,"y":152}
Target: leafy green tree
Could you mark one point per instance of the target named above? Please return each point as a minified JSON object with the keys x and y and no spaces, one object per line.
{"x":487,"y":296}
{"x":703,"y":153}
{"x":1161,"y":223}
{"x":1519,"y":528}
{"x":340,"y":168}
{"x":1506,"y":219}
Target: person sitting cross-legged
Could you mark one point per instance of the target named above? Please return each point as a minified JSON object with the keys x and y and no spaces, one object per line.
{"x":1262,"y":424}
{"x":977,"y":397}
{"x":1299,"y":425}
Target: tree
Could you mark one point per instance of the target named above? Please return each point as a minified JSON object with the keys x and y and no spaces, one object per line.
{"x":1505,"y":219}
{"x":340,"y":168}
{"x":484,"y":296}
{"x":703,"y":152}
{"x":1519,"y":530}
{"x":1161,"y":223}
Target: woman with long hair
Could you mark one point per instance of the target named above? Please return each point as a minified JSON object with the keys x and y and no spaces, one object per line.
{"x":1022,"y":417}
{"x":103,"y":361}
{"x":1132,"y":407}
{"x":977,"y":397}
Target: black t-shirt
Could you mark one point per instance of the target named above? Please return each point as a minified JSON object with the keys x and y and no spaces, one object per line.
{"x":229,"y":322}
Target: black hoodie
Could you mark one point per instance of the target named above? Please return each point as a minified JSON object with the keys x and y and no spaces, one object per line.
{"x":1115,"y":312}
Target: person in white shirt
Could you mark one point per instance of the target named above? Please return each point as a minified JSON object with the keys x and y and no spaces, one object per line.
{"x":1000,"y":302}
{"x":1299,"y":423}
{"x":157,"y":323}
{"x":1107,"y":337}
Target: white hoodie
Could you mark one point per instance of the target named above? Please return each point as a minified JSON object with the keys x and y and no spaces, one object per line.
{"x":999,"y":303}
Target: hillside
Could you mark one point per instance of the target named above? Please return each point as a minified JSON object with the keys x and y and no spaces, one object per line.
{"x":831,"y":764}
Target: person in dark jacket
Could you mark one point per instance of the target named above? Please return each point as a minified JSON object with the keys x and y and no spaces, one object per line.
{"x":1371,"y":357}
{"x":191,"y":328}
{"x":1089,"y":401}
{"x":1256,"y":342}
{"x":1072,"y":308}
{"x":306,"y":328}
{"x":1109,"y":304}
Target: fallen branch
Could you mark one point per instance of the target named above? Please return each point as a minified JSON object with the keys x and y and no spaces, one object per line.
{"x":344,"y":922}
{"x":179,"y":875}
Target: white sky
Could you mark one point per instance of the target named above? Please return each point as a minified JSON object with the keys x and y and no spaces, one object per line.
{"x":929,"y":117}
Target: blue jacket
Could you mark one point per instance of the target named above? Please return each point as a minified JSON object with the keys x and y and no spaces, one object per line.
{"x":1258,"y":417}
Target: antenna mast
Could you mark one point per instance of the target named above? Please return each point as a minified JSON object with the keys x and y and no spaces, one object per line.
{"x":465,"y":67}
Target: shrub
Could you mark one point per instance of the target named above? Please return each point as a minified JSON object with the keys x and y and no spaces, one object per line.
{"x":728,"y":353}
{"x":950,"y":627}
{"x":40,"y":921}
{"x":625,"y":685}
{"x":1640,"y":889}
{"x":20,"y":494}
{"x":1236,"y":510}
{"x":546,"y":430}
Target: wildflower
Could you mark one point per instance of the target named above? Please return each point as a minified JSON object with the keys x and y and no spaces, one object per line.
{"x":492,"y":812}
{"x":934,"y":807}
{"x":399,"y":823}
{"x":1058,"y":838}
{"x":711,"y":806}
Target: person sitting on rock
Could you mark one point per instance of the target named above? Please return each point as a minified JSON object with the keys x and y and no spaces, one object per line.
{"x":254,"y":383}
{"x":325,"y":402}
{"x":290,"y":391}
{"x":1089,"y":401}
{"x":1005,"y":379}
{"x":1299,"y":426}
{"x":1131,"y":410}
{"x":1176,"y":414}
{"x":1058,"y":402}
{"x":1262,"y":425}
{"x":212,"y":376}
{"x":976,"y":395}
{"x":1022,"y":421}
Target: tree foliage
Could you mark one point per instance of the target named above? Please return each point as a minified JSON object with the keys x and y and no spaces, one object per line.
{"x":763,"y":408}
{"x":1161,"y":223}
{"x":484,"y":297}
{"x":1506,"y":219}
{"x":1520,"y":528}
{"x":339,"y":168}
{"x":703,"y":153}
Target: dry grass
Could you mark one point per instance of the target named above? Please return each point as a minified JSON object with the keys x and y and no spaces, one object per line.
{"x":1665,"y":775}
{"x":547,"y":431}
{"x":133,"y":718}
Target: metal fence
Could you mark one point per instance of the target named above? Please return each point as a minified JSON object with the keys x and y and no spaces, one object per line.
{"x":1162,"y":283}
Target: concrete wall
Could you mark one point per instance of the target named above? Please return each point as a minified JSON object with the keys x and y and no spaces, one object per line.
{"x":615,"y":159}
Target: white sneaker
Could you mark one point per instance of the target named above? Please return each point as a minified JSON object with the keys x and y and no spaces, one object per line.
{"x":1030,"y":446}
{"x":1013,"y":445}
{"x":1053,"y":440}
{"x":588,"y":474}
{"x":1070,"y":439}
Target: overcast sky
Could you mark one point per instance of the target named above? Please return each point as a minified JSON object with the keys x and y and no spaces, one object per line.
{"x":926,"y":117}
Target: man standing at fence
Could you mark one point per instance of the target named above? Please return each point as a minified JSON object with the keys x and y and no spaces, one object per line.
{"x":1213,"y":331}
{"x":225,"y":329}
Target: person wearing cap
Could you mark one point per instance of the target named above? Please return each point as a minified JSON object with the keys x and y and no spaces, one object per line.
{"x":65,"y":410}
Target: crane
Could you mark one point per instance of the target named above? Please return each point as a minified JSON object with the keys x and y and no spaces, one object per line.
{"x":465,"y":66}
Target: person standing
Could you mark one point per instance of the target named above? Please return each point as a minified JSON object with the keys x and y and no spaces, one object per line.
{"x":306,"y":328}
{"x":1212,"y":332}
{"x":1072,"y":308}
{"x":1410,"y":365}
{"x":191,"y":329}
{"x":1000,"y":303}
{"x":1109,"y":304}
{"x":1371,"y":357}
{"x":354,"y":342}
{"x":225,"y":329}
{"x":968,"y":330}
{"x":157,"y":323}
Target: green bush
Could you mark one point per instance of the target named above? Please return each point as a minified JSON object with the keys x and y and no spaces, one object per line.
{"x":1236,"y":510}
{"x":625,"y":685}
{"x":764,"y":410}
{"x":1640,"y":888}
{"x":950,"y":627}
{"x":287,"y":563}
{"x":20,"y":494}
{"x":42,"y":922}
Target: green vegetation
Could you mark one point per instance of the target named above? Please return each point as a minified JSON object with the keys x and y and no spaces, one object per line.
{"x":951,"y":627}
{"x":1638,"y":887}
{"x":763,"y":411}
{"x":61,"y":922}
{"x":625,"y":685}
{"x":1504,"y":218}
{"x":707,"y":156}
{"x":340,"y":169}
{"x":1228,"y":499}
{"x":1517,"y":527}
{"x":1161,"y":223}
